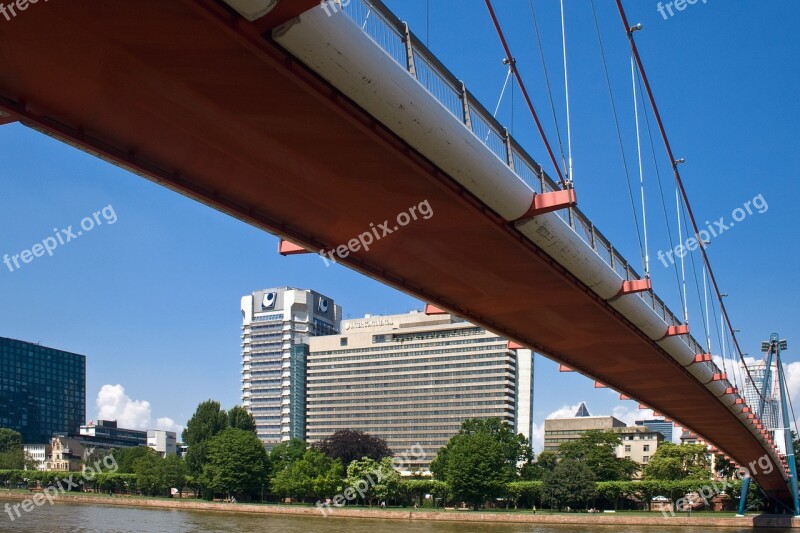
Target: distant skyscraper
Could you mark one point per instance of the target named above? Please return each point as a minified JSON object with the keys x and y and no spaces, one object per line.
{"x":412,"y":379}
{"x":771,"y":417}
{"x":276,"y":326}
{"x":42,"y":390}
{"x":657,"y":424}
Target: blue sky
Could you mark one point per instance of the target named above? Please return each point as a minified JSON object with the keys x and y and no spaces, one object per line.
{"x":153,"y":299}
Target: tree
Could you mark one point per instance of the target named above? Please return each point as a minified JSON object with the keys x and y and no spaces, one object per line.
{"x":127,"y":457}
{"x":174,"y":472}
{"x":240,"y":418}
{"x":236,"y":463}
{"x":546,"y":462}
{"x":570,"y":483}
{"x":314,"y":475}
{"x":349,"y":445}
{"x":17,"y":459}
{"x":597,"y":450}
{"x":287,"y":453}
{"x":479,"y":461}
{"x":10,"y":440}
{"x":12,"y":456}
{"x":148,"y":472}
{"x":375,"y":479}
{"x":416,"y":489}
{"x":516,"y":448}
{"x":673,"y":462}
{"x":208,"y":421}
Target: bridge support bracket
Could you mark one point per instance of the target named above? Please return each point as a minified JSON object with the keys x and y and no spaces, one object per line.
{"x":514,"y":346}
{"x":431,"y":310}
{"x":633,"y":287}
{"x":289,"y":248}
{"x":548,"y":202}
{"x":564,"y":368}
{"x":674,"y":331}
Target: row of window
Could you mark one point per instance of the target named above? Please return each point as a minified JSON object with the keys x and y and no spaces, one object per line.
{"x":427,"y":394}
{"x":389,"y":389}
{"x":318,"y":416}
{"x":373,"y":349}
{"x":420,"y":379}
{"x":459,"y":354}
{"x":410,"y":370}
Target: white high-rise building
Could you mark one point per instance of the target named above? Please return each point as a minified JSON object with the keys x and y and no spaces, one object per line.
{"x":772,"y":416}
{"x":525,"y":393}
{"x":276,"y":326}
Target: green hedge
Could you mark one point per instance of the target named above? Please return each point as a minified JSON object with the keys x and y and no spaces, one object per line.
{"x":104,"y":481}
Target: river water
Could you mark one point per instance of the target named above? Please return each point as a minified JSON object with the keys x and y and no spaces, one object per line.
{"x":66,"y":517}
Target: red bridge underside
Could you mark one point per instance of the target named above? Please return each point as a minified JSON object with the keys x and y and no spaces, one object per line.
{"x":190,"y":95}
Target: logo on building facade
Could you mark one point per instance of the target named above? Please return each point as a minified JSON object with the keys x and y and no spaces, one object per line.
{"x":269,"y":300}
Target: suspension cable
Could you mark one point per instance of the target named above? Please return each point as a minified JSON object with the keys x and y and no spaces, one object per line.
{"x":683,"y":255}
{"x":708,"y":317}
{"x":547,"y":82}
{"x":619,"y":134}
{"x":566,"y":92}
{"x":524,"y":90}
{"x":503,"y":92}
{"x":660,"y":188}
{"x":678,"y":179}
{"x":788,"y":396}
{"x":696,"y":281}
{"x":641,"y":170}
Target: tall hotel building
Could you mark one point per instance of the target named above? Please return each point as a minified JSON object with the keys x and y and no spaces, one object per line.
{"x":276,"y":327}
{"x":412,"y":379}
{"x":42,"y":390}
{"x":772,"y":416}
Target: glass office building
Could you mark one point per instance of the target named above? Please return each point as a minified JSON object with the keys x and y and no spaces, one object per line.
{"x":657,"y":424}
{"x":42,"y":390}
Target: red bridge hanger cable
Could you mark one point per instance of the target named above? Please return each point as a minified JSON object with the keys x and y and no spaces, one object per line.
{"x":678,"y":180}
{"x":513,"y":65}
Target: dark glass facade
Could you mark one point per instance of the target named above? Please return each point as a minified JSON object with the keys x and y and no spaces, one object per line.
{"x":42,"y":390}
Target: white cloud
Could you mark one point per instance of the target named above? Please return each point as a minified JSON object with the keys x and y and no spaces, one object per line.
{"x":168,"y":424}
{"x":114,"y":404}
{"x":567,"y":411}
{"x":792,"y":371}
{"x":537,"y":438}
{"x":631,"y":415}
